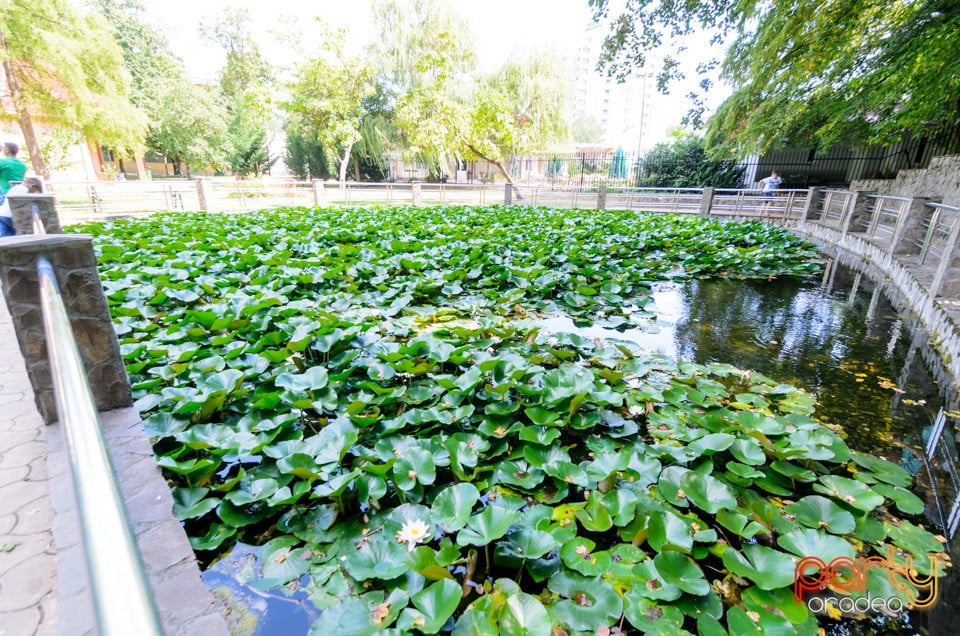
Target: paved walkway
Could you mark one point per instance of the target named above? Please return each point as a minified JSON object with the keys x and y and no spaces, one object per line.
{"x":28,"y":562}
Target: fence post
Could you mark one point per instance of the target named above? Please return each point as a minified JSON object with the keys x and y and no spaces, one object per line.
{"x":75,"y":265}
{"x":602,"y":197}
{"x":415,"y":193}
{"x":21,"y":207}
{"x":706,"y":201}
{"x":909,"y":230}
{"x":318,"y":192}
{"x":204,"y":194}
{"x":507,"y":194}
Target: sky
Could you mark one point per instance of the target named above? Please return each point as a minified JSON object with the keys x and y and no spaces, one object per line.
{"x":499,"y":26}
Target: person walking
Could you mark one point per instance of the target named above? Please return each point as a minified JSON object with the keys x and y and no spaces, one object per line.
{"x":11,"y":169}
{"x":768,"y":188}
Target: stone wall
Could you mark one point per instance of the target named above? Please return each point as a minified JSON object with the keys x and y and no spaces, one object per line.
{"x":73,"y":260}
{"x":940,"y":182}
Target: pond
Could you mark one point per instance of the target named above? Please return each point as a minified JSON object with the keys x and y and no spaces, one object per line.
{"x":836,"y":335}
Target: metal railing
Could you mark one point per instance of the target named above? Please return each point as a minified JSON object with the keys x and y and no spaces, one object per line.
{"x":122,"y":597}
{"x":938,"y":227}
{"x":886,"y":215}
{"x":837,"y":204}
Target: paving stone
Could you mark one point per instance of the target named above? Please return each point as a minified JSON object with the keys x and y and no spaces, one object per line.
{"x":15,"y":495}
{"x":34,"y":517}
{"x":164,"y":545}
{"x":22,"y":454}
{"x":76,"y":615}
{"x":48,"y":608}
{"x":32,"y":578}
{"x":72,"y":574}
{"x":21,"y":623}
{"x":208,"y":625}
{"x":28,"y":547}
{"x":7,"y":523}
{"x":13,"y":475}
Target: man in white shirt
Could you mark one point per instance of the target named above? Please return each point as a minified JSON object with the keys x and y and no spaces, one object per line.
{"x":769,"y":187}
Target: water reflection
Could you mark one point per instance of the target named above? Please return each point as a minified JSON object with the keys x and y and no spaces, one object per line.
{"x":837,"y":336}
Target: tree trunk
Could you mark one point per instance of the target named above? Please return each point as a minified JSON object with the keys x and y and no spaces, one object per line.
{"x":503,"y":171}
{"x":344,"y":160}
{"x":26,"y":124}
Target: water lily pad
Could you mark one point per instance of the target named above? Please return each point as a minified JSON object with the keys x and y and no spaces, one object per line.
{"x":451,"y":508}
{"x":487,"y":526}
{"x":434,"y":606}
{"x":885,"y":471}
{"x":587,"y":602}
{"x":817,"y":543}
{"x":766,"y":567}
{"x":906,"y":502}
{"x":524,"y":614}
{"x":850,"y":491}
{"x":815,"y":511}
{"x":650,"y":616}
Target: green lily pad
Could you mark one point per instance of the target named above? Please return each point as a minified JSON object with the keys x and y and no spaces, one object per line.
{"x":451,"y":509}
{"x":815,"y":511}
{"x":586,"y":603}
{"x":524,"y":614}
{"x":850,"y":491}
{"x":766,"y":567}
{"x":434,"y":605}
{"x":487,"y":526}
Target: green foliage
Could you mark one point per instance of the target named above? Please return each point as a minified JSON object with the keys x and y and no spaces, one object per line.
{"x":684,"y":163}
{"x":247,"y":153}
{"x":185,"y":122}
{"x":70,"y":71}
{"x":329,"y":99}
{"x":328,"y":378}
{"x":809,"y":73}
{"x":305,"y":156}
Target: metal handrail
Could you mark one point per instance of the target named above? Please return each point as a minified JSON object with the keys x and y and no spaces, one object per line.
{"x":122,"y":598}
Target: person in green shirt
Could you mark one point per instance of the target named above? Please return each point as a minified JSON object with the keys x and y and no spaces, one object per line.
{"x":11,"y":167}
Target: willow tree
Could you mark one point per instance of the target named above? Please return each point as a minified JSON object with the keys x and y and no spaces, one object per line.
{"x":424,"y":55}
{"x":815,"y":73}
{"x":65,"y":71}
{"x":517,"y":110}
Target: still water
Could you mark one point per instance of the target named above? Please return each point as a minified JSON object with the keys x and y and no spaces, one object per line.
{"x":836,"y":335}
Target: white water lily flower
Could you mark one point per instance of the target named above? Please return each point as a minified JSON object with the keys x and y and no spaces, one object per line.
{"x":413,"y":532}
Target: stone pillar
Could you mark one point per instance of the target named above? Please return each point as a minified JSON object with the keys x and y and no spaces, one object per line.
{"x":949,"y":263}
{"x":75,"y":265}
{"x":415,"y":194}
{"x":141,"y":168}
{"x":706,"y":201}
{"x":21,"y":206}
{"x":204,"y":194}
{"x":507,"y":194}
{"x":602,"y":197}
{"x":811,"y":209}
{"x":909,"y":231}
{"x":317,"y":192}
{"x":857,"y":214}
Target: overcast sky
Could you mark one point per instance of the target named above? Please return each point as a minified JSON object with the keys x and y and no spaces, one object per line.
{"x":499,"y":26}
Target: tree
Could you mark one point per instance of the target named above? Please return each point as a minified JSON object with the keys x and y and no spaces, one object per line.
{"x":329,"y":98}
{"x":305,"y":155}
{"x":684,"y":164}
{"x":245,"y":88}
{"x":63,"y":67}
{"x":517,"y":110}
{"x":185,"y":122}
{"x":871,"y":71}
{"x":424,"y":55}
{"x":586,"y":129}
